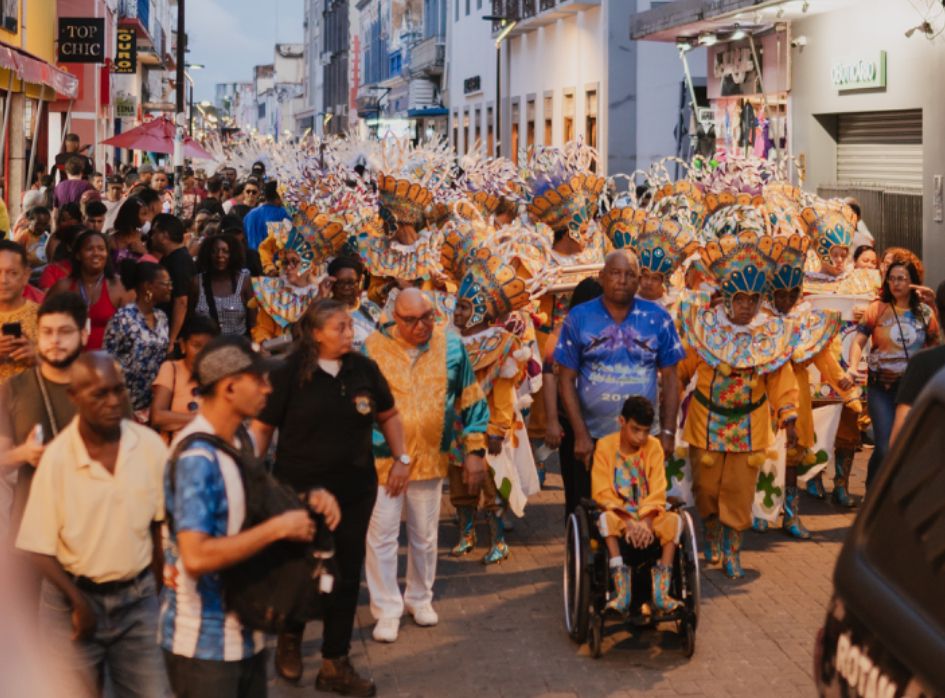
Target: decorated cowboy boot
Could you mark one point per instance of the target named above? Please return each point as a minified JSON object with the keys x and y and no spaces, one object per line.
{"x":731,"y":553}
{"x":843,"y":464}
{"x":467,"y":531}
{"x":759,"y":525}
{"x":792,"y":524}
{"x":620,"y":600}
{"x":499,"y":551}
{"x":712,"y":546}
{"x":662,"y":601}
{"x":815,"y":487}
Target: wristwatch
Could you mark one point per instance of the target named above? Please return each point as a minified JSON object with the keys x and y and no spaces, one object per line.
{"x":668,"y":432}
{"x":404,"y":459}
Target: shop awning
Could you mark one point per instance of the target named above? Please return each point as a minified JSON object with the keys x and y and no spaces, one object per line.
{"x":32,"y":70}
{"x":427,"y":111}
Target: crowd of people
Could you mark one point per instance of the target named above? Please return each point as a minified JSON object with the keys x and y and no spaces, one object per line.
{"x":374,"y":320}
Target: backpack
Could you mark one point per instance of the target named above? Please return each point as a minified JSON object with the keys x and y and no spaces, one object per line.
{"x":285,"y":584}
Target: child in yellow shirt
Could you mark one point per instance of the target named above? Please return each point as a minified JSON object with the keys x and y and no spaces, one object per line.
{"x":628,"y":481}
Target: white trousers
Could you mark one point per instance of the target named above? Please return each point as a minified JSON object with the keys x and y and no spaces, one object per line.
{"x":422,"y":499}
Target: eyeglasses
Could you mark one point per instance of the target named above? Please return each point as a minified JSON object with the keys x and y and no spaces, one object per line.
{"x":411,"y":320}
{"x":250,"y":191}
{"x":899,"y":279}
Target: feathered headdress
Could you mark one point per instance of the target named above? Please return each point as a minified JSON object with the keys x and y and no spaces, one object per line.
{"x":562,"y":191}
{"x":491,"y":286}
{"x":488,"y":183}
{"x":830,"y":224}
{"x":741,"y":263}
{"x":662,"y":245}
{"x":789,"y":266}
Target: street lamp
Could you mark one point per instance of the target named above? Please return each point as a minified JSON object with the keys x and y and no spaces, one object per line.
{"x":190,"y":111}
{"x":508,"y":24}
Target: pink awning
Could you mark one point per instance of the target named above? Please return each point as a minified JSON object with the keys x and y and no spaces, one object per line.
{"x":39,"y":72}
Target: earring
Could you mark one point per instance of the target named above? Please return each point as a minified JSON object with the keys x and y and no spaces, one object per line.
{"x":148,"y":296}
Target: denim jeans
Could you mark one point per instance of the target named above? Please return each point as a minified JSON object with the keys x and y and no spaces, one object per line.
{"x":124,"y":640}
{"x":203,"y":678}
{"x":881,"y":404}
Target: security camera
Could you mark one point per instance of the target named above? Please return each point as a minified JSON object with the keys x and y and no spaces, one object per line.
{"x":799,"y":41}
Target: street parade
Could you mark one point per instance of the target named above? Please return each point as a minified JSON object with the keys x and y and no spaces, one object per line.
{"x":373,"y":412}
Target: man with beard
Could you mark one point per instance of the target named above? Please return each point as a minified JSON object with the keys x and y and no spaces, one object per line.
{"x":34,"y":405}
{"x":92,"y":528}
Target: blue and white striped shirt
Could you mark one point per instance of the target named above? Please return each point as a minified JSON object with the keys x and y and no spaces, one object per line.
{"x":207,"y":498}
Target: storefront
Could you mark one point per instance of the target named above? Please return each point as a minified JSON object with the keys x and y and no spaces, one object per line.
{"x":861,"y":97}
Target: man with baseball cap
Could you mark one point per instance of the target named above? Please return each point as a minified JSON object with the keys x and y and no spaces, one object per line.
{"x":207,"y":649}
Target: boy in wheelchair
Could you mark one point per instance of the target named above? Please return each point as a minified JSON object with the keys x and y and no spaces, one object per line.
{"x":628,"y":482}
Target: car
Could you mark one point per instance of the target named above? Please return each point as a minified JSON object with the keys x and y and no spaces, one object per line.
{"x":884,"y":634}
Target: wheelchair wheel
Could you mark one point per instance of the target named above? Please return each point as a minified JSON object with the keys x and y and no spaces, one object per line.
{"x":577,"y":578}
{"x":595,"y":640}
{"x":688,"y":581}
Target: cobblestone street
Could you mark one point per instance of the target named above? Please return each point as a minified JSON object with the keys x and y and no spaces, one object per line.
{"x":501,"y":630}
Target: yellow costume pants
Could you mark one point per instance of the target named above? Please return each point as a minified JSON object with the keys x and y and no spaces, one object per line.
{"x":724,"y":485}
{"x":848,"y":431}
{"x":667,"y":525}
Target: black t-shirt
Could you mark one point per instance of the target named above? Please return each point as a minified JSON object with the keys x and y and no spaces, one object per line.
{"x":182,"y":270}
{"x":325,"y":426}
{"x":59,"y":168}
{"x":922,"y":367}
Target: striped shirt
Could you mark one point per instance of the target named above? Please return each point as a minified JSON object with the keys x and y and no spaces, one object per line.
{"x":207,"y":497}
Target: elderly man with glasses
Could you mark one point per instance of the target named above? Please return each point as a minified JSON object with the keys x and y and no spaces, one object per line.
{"x":438,"y":398}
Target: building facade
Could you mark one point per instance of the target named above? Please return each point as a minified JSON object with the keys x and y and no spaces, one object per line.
{"x":858,"y":84}
{"x":401,"y":48}
{"x":563,"y":69}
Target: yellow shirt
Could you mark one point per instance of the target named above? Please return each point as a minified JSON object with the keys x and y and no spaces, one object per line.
{"x":26,"y":316}
{"x":607,"y":456}
{"x":97,"y":524}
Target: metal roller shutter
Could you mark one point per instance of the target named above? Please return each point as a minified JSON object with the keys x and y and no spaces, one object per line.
{"x":881,"y":149}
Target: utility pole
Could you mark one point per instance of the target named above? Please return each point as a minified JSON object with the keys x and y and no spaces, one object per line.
{"x":179,"y":118}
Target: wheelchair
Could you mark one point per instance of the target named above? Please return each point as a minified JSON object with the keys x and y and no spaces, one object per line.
{"x":587,"y":581}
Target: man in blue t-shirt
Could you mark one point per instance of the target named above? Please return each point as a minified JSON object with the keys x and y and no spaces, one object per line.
{"x":207,"y":650}
{"x":611,"y":348}
{"x":256,"y":222}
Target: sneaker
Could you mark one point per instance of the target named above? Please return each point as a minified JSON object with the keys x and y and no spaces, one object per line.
{"x":386,"y":630}
{"x":424,"y":616}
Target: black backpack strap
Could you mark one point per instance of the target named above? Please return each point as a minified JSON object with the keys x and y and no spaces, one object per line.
{"x":241,"y":456}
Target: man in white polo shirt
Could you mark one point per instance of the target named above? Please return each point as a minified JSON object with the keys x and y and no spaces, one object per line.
{"x":92,"y":528}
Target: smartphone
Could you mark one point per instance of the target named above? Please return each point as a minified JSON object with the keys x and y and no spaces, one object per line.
{"x":12,"y":329}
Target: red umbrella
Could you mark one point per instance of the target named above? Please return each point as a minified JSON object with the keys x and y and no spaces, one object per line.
{"x":156,"y":136}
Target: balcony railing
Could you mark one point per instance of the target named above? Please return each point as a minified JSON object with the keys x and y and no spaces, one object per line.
{"x":529,"y":8}
{"x":531,"y":14}
{"x":547,"y":5}
{"x":428,"y":56}
{"x":136,"y":9}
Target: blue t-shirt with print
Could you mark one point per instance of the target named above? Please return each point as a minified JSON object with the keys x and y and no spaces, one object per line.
{"x":614,"y":361}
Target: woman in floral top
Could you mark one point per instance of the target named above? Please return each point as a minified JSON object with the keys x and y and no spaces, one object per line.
{"x":897,"y":325}
{"x":138,"y":335}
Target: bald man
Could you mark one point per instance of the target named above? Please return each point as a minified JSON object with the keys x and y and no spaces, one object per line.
{"x":437,"y":395}
{"x":611,"y":348}
{"x":92,"y":528}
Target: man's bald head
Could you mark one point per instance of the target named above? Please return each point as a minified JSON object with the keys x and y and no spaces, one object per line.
{"x":97,"y":389}
{"x":620,"y":278}
{"x":94,"y":366}
{"x":412,"y":301}
{"x":414,"y":315}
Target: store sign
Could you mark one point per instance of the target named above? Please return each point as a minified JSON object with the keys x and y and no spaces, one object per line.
{"x":473,"y":84}
{"x":81,"y":40}
{"x":859,"y":73}
{"x":124,"y":96}
{"x":126,"y":51}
